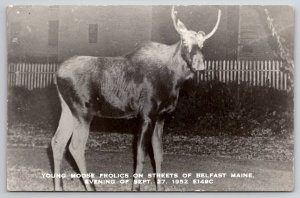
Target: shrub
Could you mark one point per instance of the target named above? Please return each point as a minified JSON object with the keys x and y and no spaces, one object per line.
{"x":215,"y":107}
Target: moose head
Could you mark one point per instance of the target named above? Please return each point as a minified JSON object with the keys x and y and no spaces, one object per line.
{"x":192,"y":42}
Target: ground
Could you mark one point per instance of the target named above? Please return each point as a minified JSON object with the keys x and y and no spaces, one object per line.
{"x":270,"y":160}
{"x":26,"y":166}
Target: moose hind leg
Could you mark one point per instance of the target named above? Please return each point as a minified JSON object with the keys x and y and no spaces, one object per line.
{"x":59,"y":142}
{"x":141,"y":150}
{"x":158,"y":150}
{"x":77,"y":148}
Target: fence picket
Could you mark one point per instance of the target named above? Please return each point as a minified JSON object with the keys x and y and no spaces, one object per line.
{"x":11,"y":74}
{"x":8,"y":75}
{"x":43,"y":76}
{"x":262,"y":67}
{"x":21,"y":71}
{"x":247,"y":72}
{"x":34,"y":76}
{"x":220,"y":69}
{"x":16,"y":74}
{"x":43,"y":68}
{"x":270,"y":74}
{"x":39,"y":74}
{"x":235,"y":76}
{"x":277,"y":74}
{"x":213,"y":68}
{"x":251,"y":73}
{"x":285,"y":81}
{"x":208,"y":67}
{"x":273,"y":73}
{"x":267,"y":74}
{"x":227,"y":71}
{"x":28,"y":75}
{"x":50,"y":77}
{"x":13,"y":71}
{"x":243,"y":71}
{"x":254,"y":68}
{"x":46,"y":75}
{"x":224,"y":73}
{"x":48,"y":72}
{"x":257,"y":76}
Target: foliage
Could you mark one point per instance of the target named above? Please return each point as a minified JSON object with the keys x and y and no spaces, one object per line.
{"x":40,"y":107}
{"x":214,"y":107}
{"x":283,"y":51}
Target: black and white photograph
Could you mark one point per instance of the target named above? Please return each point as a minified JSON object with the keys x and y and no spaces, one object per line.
{"x":164,"y":98}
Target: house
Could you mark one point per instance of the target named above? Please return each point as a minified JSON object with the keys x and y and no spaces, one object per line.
{"x":54,"y":33}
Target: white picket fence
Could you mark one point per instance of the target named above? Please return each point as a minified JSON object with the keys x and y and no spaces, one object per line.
{"x":31,"y":75}
{"x":254,"y":73}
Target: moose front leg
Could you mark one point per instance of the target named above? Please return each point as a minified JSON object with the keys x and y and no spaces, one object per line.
{"x":141,"y":150}
{"x":158,"y":150}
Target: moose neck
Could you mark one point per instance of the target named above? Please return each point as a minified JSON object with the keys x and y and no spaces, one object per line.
{"x":179,"y":65}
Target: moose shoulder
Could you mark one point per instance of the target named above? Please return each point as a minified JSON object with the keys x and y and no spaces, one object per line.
{"x":143,"y":84}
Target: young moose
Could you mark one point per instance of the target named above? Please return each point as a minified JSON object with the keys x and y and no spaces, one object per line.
{"x":144,"y":84}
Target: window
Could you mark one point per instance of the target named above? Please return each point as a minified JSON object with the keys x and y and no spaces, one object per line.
{"x":53,"y":33}
{"x":15,"y":30}
{"x":93,"y":33}
{"x":247,"y":49}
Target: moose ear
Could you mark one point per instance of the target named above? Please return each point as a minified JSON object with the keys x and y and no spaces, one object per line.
{"x":201,"y":33}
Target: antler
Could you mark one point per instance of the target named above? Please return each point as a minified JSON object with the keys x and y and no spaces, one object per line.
{"x":174,"y":18}
{"x":215,"y":28}
{"x":179,"y":26}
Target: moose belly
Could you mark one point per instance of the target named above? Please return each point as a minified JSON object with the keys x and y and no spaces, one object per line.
{"x":125,"y":115}
{"x":107,"y":110}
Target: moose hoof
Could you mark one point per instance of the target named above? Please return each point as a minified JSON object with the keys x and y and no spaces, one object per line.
{"x":136,"y":187}
{"x":58,"y":188}
{"x":160,"y":188}
{"x":91,"y":188}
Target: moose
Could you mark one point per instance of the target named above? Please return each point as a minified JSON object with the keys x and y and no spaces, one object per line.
{"x":143,"y":84}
